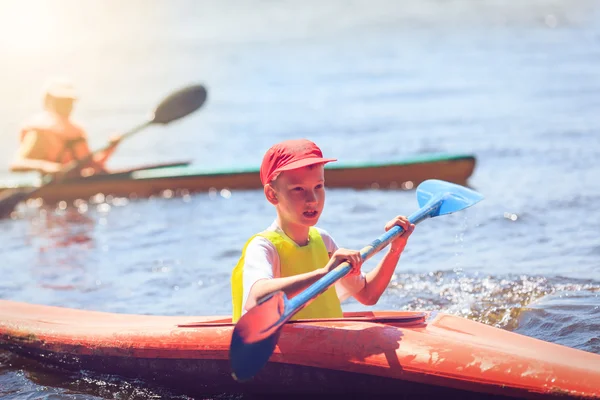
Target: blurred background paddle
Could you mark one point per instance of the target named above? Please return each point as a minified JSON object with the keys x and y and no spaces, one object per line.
{"x":256,"y":334}
{"x":175,"y":106}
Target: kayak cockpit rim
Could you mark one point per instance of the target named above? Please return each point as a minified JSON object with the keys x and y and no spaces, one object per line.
{"x":405,"y":318}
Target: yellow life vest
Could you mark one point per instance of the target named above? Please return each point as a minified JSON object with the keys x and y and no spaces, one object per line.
{"x":294,"y":260}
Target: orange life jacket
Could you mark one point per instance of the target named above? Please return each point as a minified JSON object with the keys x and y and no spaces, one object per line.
{"x":64,"y":140}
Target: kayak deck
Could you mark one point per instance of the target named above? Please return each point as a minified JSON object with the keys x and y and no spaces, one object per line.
{"x":373,"y":352}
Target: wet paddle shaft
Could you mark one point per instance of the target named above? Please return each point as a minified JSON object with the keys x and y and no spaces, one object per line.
{"x":256,"y":333}
{"x":304,"y":298}
{"x":431,"y":201}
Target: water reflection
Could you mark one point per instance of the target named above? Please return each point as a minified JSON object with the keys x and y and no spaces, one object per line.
{"x":53,"y":229}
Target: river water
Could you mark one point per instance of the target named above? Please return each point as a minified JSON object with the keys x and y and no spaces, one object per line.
{"x":516,"y":85}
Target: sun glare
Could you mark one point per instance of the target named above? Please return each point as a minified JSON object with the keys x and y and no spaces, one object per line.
{"x":40,"y":39}
{"x":27,"y":26}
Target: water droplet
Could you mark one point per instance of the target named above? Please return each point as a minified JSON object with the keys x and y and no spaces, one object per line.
{"x":225,"y":193}
{"x":120,"y":201}
{"x":511,"y":216}
{"x":103,"y":208}
{"x":98,"y":198}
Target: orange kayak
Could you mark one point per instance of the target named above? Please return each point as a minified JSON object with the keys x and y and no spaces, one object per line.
{"x":408,"y":353}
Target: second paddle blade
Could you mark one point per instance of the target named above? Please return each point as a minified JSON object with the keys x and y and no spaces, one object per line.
{"x":179,"y":104}
{"x":255,"y":336}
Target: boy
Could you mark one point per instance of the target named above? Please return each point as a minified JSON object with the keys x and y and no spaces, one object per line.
{"x":292,"y":253}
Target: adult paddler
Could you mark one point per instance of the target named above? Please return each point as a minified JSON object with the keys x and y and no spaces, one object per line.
{"x":51,"y":139}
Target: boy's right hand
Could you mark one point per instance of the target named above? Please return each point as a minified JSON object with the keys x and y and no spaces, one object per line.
{"x":341,"y":255}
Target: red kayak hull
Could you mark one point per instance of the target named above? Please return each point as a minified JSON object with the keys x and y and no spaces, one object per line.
{"x":388,"y":352}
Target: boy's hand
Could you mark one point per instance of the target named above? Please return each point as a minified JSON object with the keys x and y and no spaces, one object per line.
{"x":400,"y":242}
{"x":341,"y":255}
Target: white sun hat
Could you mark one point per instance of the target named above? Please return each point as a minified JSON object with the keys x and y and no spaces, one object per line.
{"x":60,"y":88}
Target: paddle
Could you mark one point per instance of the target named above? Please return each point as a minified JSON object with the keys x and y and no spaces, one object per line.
{"x":257,"y":332}
{"x":175,"y":106}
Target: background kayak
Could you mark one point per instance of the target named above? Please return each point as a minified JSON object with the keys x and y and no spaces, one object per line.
{"x":402,"y":174}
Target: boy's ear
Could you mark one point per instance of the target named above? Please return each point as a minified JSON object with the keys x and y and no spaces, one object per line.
{"x":271,"y":194}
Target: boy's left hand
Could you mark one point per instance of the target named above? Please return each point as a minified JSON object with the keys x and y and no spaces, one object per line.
{"x":399,"y":243}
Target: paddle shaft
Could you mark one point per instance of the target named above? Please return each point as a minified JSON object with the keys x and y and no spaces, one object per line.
{"x":297,"y":302}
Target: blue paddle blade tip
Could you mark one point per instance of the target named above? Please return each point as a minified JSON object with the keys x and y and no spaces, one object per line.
{"x":255,"y":336}
{"x":455,"y":197}
{"x":247,"y":359}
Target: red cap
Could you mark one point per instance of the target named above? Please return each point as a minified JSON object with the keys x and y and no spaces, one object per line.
{"x":290,"y":154}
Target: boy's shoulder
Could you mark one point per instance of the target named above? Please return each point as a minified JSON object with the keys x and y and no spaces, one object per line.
{"x":328,"y":240}
{"x":322,"y":232}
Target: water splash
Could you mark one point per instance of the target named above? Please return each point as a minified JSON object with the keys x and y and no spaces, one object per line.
{"x":493,"y":300}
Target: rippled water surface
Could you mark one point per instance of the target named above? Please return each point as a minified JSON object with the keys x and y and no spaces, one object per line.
{"x":518,"y":86}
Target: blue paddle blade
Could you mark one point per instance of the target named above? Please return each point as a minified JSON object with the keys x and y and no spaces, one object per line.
{"x":248,"y":358}
{"x":255,"y":336}
{"x":455,"y":197}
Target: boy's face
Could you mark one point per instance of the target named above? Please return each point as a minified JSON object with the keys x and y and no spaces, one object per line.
{"x":299,"y":194}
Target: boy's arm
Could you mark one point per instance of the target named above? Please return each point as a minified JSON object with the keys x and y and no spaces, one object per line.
{"x":261,"y":274}
{"x":379,"y":278}
{"x":291,"y":285}
{"x":261,"y":260}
